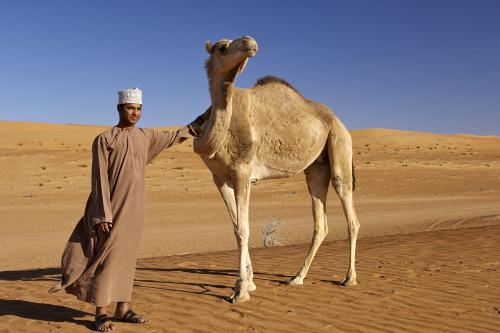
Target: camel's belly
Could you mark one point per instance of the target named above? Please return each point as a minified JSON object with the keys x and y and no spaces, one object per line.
{"x":288,"y":148}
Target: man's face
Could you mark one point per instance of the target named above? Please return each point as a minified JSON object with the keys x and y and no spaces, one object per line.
{"x":129,"y":113}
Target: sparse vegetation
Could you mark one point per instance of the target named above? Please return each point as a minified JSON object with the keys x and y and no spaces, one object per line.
{"x":270,"y":233}
{"x":82,"y":165}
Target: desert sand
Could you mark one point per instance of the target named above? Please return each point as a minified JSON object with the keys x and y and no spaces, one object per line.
{"x":428,"y":204}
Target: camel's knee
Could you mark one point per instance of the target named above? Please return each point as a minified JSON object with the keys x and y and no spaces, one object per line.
{"x":320,"y":231}
{"x":353,"y":227}
{"x":242,"y":236}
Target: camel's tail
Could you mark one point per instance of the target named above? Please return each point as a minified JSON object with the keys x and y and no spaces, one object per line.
{"x":353,"y":177}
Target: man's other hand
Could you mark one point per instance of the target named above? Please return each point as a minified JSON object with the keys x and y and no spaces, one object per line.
{"x":104,"y":227}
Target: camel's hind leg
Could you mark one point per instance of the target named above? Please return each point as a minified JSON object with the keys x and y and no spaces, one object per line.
{"x":340,"y":155}
{"x":318,"y":179}
{"x":227,"y":194}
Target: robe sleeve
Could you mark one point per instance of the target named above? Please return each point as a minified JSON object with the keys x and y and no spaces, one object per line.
{"x":160,"y":140}
{"x":100,"y":206}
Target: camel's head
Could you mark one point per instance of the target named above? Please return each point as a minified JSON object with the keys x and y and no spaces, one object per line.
{"x":229,"y":57}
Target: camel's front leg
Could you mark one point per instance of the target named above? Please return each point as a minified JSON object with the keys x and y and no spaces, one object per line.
{"x":242,"y":195}
{"x":227,"y":194}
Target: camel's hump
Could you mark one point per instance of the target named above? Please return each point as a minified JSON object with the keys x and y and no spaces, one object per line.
{"x":273,"y":79}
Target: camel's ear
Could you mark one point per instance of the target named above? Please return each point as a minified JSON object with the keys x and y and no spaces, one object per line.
{"x":208,"y":46}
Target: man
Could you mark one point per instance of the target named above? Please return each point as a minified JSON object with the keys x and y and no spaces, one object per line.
{"x":98,"y":263}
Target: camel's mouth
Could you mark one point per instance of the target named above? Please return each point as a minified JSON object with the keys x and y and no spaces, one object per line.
{"x":249,"y":51}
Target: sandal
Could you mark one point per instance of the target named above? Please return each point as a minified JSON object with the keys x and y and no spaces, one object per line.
{"x":102,"y":320}
{"x":132,"y":317}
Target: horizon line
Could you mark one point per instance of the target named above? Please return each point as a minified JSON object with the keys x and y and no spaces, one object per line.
{"x":350,"y":130}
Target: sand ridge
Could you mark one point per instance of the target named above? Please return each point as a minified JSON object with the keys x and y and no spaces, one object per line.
{"x":444,"y":281}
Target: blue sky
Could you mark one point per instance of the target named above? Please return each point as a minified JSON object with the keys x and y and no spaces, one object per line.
{"x":414,"y":65}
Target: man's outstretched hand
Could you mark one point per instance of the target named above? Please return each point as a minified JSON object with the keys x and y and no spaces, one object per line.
{"x":104,"y":227}
{"x":196,"y":124}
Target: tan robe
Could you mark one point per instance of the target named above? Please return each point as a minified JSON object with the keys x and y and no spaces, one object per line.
{"x":101,"y":270}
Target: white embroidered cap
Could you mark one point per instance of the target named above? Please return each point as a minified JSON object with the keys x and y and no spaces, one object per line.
{"x":131,"y":95}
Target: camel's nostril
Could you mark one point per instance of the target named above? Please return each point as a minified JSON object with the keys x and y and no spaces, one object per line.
{"x":246,"y":38}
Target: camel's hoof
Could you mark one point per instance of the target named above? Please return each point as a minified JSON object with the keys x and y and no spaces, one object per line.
{"x":239,"y":298}
{"x":349,"y":282}
{"x":251,"y":286}
{"x":296,"y":281}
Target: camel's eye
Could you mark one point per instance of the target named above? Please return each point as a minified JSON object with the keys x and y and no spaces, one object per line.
{"x":222,"y":48}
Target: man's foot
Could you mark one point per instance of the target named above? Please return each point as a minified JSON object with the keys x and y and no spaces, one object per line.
{"x":103,"y":323}
{"x":131,"y":317}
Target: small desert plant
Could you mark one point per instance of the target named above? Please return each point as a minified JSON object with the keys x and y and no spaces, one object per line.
{"x":270,"y":233}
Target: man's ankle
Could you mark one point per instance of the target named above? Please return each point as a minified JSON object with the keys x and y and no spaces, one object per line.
{"x":121,"y":307}
{"x":100,"y":311}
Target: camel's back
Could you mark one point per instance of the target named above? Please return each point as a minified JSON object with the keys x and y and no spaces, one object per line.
{"x":289,"y":131}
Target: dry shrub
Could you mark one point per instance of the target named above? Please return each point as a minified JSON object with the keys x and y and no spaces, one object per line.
{"x":270,"y":233}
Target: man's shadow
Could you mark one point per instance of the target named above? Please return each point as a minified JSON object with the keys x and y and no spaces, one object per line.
{"x":39,"y":311}
{"x":43,"y":312}
{"x":39,"y":274}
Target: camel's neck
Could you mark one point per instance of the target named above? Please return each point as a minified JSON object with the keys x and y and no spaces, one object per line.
{"x":216,"y":127}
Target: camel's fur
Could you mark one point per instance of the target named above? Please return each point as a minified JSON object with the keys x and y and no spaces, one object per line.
{"x":271,"y":131}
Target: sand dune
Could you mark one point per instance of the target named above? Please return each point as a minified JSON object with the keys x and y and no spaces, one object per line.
{"x":407,"y":182}
{"x":429,"y":207}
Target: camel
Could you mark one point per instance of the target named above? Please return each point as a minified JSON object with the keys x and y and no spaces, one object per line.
{"x":271,"y":131}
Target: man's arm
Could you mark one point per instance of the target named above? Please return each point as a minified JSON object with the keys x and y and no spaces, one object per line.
{"x":101,"y":212}
{"x":165,"y":139}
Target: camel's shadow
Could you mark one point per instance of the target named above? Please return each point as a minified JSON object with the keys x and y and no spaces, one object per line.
{"x":205,"y":288}
{"x":222,"y":272}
